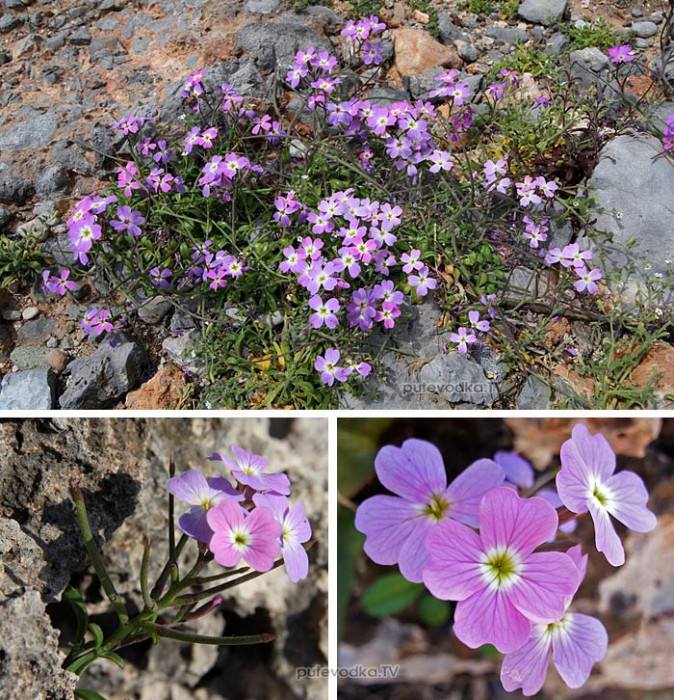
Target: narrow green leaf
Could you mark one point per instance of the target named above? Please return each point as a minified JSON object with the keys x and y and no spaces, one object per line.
{"x":389,"y":595}
{"x":115,"y":658}
{"x":74,"y":597}
{"x":97,"y":633}
{"x":78,"y":666}
{"x":88,"y":695}
{"x":432,"y":611}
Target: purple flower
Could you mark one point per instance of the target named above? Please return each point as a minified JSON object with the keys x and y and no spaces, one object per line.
{"x":95,"y":321}
{"x":325,"y":312}
{"x":329,"y":369}
{"x":518,"y":471}
{"x":160,"y":277}
{"x":58,"y":285}
{"x":620,"y":54}
{"x":586,"y":482}
{"x":412,"y":261}
{"x":588,"y":280}
{"x":128,"y":220}
{"x":193,"y":488}
{"x":474,"y":319}
{"x":361,"y":310}
{"x":295,"y":529}
{"x":576,"y":642}
{"x":500,"y":583}
{"x":463,"y":339}
{"x":395,"y":526}
{"x":249,"y":470}
{"x":238,"y":534}
{"x":422,"y":282}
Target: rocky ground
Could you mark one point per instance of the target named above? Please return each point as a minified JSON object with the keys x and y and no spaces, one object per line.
{"x":68,"y":69}
{"x":121,"y":466}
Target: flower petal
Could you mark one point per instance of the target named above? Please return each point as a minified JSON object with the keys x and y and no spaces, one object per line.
{"x":190,"y":487}
{"x":413,"y":556}
{"x":628,"y":502}
{"x":517,"y":470}
{"x":577,"y":646}
{"x":453,"y":568}
{"x":605,"y":537}
{"x":296,"y":561}
{"x":488,"y":617}
{"x":265,"y":543}
{"x":414,"y":471}
{"x":195,"y":524}
{"x":521,"y":523}
{"x":219,"y":483}
{"x":467,"y":490}
{"x":546,"y":581}
{"x":527,"y":667}
{"x":387,"y":522}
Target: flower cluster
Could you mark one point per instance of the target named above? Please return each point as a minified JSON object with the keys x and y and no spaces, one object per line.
{"x":478,"y":541}
{"x":668,"y":134}
{"x":251,"y":520}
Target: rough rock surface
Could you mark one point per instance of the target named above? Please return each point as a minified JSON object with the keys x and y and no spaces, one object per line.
{"x":121,"y":467}
{"x":545,"y":12}
{"x":28,"y":390}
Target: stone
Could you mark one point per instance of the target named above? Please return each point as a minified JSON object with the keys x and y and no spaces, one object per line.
{"x":277,"y":43}
{"x":28,"y":390}
{"x":458,"y":378}
{"x":57,"y":360}
{"x":29,"y":649}
{"x":632,"y":180}
{"x":104,"y":377}
{"x":80,"y":37}
{"x":181,"y":351}
{"x":416,"y":51}
{"x":164,"y":390}
{"x":262,"y":7}
{"x":508,"y":35}
{"x":30,"y":312}
{"x":545,"y":12}
{"x":448,"y":31}
{"x":154,"y":310}
{"x":29,"y":357}
{"x":534,"y":395}
{"x":466,"y":51}
{"x":13,"y":188}
{"x":5,"y":215}
{"x":54,"y":179}
{"x":8,"y":22}
{"x":37,"y":331}
{"x":34,"y":132}
{"x":644,"y":29}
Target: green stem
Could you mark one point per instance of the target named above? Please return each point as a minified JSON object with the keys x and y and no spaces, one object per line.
{"x":150,"y":604}
{"x":164,"y":631}
{"x":163,"y":576}
{"x":96,"y":558}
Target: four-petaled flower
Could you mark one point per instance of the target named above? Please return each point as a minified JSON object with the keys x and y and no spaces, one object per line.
{"x":249,"y":469}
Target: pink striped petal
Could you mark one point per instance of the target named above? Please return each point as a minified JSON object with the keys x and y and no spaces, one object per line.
{"x":413,"y":556}
{"x":546,"y":581}
{"x":488,"y":617}
{"x":520,"y":523}
{"x":265,"y":543}
{"x":296,"y":561}
{"x":628,"y":502}
{"x":527,"y":667}
{"x":194,"y":523}
{"x":387,"y":522}
{"x":414,"y":471}
{"x":466,"y":491}
{"x":577,"y":646}
{"x":190,"y":487}
{"x":605,"y":536}
{"x":453,"y":568}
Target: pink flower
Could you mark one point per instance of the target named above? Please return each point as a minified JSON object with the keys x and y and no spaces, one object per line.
{"x":329,"y":369}
{"x":396,"y":526}
{"x":620,"y":54}
{"x":325,"y":312}
{"x":500,"y":584}
{"x":588,"y":280}
{"x":586,"y":482}
{"x":237,"y":534}
{"x":249,"y":469}
{"x":463,"y":339}
{"x":422,"y":282}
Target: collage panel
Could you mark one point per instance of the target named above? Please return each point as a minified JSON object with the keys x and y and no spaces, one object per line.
{"x":505,"y":558}
{"x":163,"y":558}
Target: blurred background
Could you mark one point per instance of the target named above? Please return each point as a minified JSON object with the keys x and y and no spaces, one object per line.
{"x":122,"y":466}
{"x":384,"y":619}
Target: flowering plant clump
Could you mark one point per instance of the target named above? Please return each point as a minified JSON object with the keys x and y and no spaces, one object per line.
{"x":298,"y":238}
{"x":499,"y":546}
{"x":244,"y":521}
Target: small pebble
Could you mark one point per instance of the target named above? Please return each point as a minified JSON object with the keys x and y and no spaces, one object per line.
{"x":30,"y":313}
{"x":52,"y":343}
{"x":57,"y":360}
{"x":11,"y":315}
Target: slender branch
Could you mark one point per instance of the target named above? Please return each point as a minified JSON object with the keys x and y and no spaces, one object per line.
{"x":164,"y":631}
{"x":150,"y":603}
{"x":161,"y":581}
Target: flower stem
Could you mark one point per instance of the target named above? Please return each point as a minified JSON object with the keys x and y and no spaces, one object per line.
{"x":96,"y":559}
{"x":164,"y":631}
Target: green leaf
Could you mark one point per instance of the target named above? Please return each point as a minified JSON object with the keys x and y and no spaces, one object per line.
{"x":389,"y":595}
{"x":116,"y":658}
{"x":432,"y":611}
{"x":74,"y":597}
{"x":349,"y":551}
{"x":97,"y":633}
{"x":78,"y":666}
{"x":88,"y":695}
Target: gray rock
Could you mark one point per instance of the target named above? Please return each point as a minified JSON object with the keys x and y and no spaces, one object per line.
{"x":181,"y":351}
{"x":37,"y":331}
{"x":525,"y":283}
{"x":384,"y":96}
{"x":588,"y":66}
{"x":630,"y":179}
{"x":645,"y":29}
{"x":28,"y":390}
{"x":29,"y":648}
{"x":29,"y":357}
{"x":545,"y":12}
{"x":56,"y":41}
{"x":35,"y":132}
{"x":262,"y":7}
{"x":5,"y":215}
{"x":8,"y":22}
{"x":154,"y":310}
{"x":5,"y":57}
{"x":449,"y":32}
{"x":13,"y":188}
{"x":466,"y":51}
{"x":80,"y":37}
{"x":534,"y":395}
{"x":72,"y":157}
{"x":54,"y":179}
{"x":458,"y":379}
{"x":104,"y":377}
{"x":637,"y":12}
{"x":655,"y":118}
{"x":508,"y":35}
{"x":30,"y":312}
{"x":278,"y":43}
{"x":557,"y":44}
